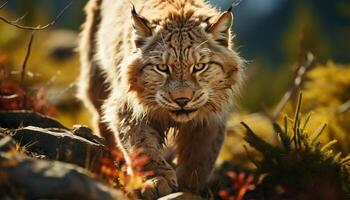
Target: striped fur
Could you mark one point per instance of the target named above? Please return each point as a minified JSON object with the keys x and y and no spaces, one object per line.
{"x":122,"y":83}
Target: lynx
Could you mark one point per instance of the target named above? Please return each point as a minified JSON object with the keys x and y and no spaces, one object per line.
{"x":157,"y":66}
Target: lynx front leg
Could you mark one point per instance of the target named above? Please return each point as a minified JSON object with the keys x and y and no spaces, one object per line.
{"x":133,"y":136}
{"x":198,"y":148}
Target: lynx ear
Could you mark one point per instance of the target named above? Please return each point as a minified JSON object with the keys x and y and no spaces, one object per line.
{"x":221,"y":27}
{"x":141,"y":27}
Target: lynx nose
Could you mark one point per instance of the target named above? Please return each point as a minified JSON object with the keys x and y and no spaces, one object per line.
{"x":182,"y":101}
{"x":181,"y":96}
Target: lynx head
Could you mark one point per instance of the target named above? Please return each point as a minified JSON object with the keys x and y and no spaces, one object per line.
{"x":184,"y":65}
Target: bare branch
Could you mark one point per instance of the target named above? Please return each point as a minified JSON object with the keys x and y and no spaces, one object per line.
{"x":3,"y":5}
{"x":26,"y":60}
{"x":20,"y":18}
{"x":343,"y":108}
{"x":13,"y":23}
{"x":298,"y":80}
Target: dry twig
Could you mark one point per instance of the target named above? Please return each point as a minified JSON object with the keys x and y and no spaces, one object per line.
{"x":298,"y":80}
{"x":24,"y":65}
{"x":303,"y":65}
{"x":20,"y":18}
{"x":3,"y":5}
{"x":14,"y":23}
{"x":343,"y":108}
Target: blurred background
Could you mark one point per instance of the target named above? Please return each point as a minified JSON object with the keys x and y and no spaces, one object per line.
{"x":272,"y":35}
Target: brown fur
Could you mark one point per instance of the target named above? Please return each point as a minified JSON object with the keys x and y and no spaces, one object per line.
{"x":169,"y":65}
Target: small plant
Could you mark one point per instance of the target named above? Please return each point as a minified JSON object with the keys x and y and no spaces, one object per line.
{"x":14,"y":96}
{"x":113,"y":170}
{"x":241,"y":183}
{"x":300,"y":168}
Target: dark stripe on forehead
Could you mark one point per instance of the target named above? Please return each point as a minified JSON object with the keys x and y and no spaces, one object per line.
{"x":190,"y":35}
{"x":174,"y":50}
{"x":181,"y":41}
{"x":196,"y":34}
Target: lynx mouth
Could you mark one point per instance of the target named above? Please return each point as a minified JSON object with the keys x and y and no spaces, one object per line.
{"x":183,"y":112}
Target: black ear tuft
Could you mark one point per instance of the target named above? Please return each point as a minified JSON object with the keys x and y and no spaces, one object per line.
{"x":234,"y":4}
{"x":230,"y":8}
{"x":133,"y":10}
{"x":141,"y":27}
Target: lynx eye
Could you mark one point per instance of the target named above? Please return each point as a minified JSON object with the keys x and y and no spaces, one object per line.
{"x":162,"y":68}
{"x":199,"y":67}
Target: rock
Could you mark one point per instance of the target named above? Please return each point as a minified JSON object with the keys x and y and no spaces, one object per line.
{"x":86,"y":132}
{"x":40,"y":136}
{"x":45,"y":136}
{"x":181,"y":196}
{"x":16,"y":119}
{"x":27,"y":178}
{"x":60,"y":144}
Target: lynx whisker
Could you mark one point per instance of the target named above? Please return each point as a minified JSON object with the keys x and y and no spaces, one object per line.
{"x":202,"y":43}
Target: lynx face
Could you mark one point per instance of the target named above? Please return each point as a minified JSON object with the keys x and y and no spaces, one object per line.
{"x":184,"y":68}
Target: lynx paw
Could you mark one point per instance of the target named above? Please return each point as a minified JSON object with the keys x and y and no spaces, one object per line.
{"x":158,"y":187}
